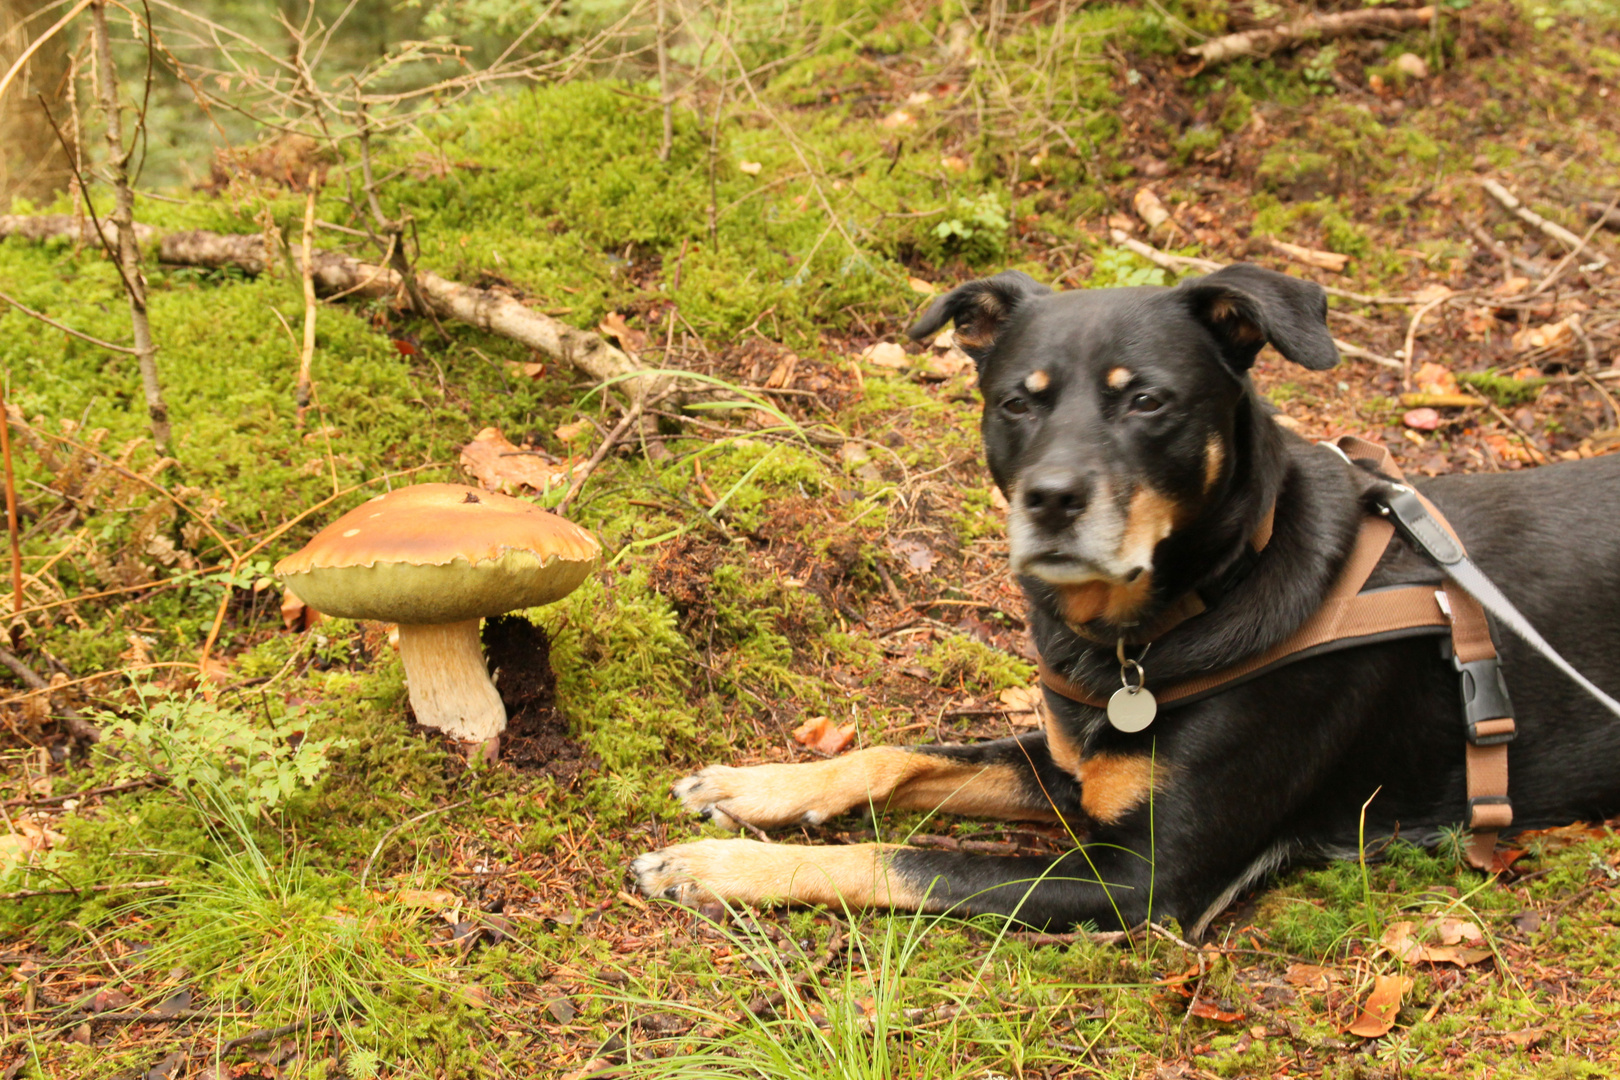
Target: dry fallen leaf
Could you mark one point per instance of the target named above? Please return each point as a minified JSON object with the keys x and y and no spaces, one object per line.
{"x":613,"y":325}
{"x":569,"y":432}
{"x":497,"y":465}
{"x":1310,"y":976}
{"x":750,"y":167}
{"x":886,"y":354}
{"x":918,"y":555}
{"x":820,"y":733}
{"x":521,"y":370}
{"x":1545,"y":336}
{"x":433,"y":899}
{"x":918,"y":285}
{"x":897,"y":119}
{"x":1527,"y":1037}
{"x":954,"y":164}
{"x":1405,"y":942}
{"x":1208,"y":1010}
{"x":1382,"y":1006}
{"x":1021,"y":698}
{"x":297,"y":615}
{"x":1432,"y":378}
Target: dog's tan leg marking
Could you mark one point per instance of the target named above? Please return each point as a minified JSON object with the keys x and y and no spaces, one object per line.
{"x":750,"y":872}
{"x":1111,"y":785}
{"x":1214,"y":460}
{"x":882,"y":776}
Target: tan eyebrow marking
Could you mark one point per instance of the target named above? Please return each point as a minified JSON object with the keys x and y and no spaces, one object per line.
{"x":1037,"y":381}
{"x":1119,"y":378}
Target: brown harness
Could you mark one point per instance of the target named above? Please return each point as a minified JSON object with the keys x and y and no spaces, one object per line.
{"x":1349,"y":617}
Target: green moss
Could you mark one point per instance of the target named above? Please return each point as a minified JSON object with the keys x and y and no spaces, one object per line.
{"x":959,"y":660}
{"x":1504,"y":390}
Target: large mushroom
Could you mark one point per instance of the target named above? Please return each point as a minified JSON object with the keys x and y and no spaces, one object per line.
{"x":436,"y":558}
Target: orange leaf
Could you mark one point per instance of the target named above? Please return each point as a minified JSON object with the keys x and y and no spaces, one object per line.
{"x":613,"y":326}
{"x":1208,"y":1010}
{"x":1381,"y":1007}
{"x":820,"y":733}
{"x":1432,"y":378}
{"x":1310,"y":976}
{"x":497,"y":465}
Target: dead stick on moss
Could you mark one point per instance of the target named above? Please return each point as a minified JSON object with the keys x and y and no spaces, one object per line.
{"x":27,"y":894}
{"x":1411,"y":337}
{"x":77,"y":725}
{"x":498,"y":313}
{"x":48,"y":321}
{"x":306,"y":357}
{"x":1310,"y":28}
{"x":129,"y":255}
{"x":1512,"y":205}
{"x":663,"y":83}
{"x":630,"y":416}
{"x":383,"y":839}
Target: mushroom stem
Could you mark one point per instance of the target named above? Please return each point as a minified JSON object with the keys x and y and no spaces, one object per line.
{"x":449,"y":682}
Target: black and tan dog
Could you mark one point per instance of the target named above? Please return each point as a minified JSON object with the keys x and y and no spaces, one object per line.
{"x":1140,"y":464}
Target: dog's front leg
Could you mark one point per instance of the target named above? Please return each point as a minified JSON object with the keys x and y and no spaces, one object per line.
{"x":1011,"y":779}
{"x":1093,"y":884}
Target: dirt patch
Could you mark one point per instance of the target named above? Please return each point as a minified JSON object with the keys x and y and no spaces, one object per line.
{"x":536,"y":738}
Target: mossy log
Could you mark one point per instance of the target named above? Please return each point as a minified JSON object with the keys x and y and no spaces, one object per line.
{"x":338,"y":275}
{"x":1311,"y":28}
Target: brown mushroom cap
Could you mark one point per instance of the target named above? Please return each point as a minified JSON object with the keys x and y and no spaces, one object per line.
{"x":438,"y":553}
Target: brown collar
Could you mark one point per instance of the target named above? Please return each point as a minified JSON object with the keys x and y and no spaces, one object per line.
{"x":1191,"y":603}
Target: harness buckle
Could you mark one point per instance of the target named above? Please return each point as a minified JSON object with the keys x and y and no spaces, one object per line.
{"x":1487,"y":709}
{"x":1490,"y":812}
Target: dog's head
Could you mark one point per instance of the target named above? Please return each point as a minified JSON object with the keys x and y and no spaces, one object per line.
{"x":1110,"y":414}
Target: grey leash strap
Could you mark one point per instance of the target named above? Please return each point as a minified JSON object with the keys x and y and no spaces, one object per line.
{"x":1422,"y":530}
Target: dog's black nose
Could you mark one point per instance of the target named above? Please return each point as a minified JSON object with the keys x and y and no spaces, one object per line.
{"x":1054,"y":501}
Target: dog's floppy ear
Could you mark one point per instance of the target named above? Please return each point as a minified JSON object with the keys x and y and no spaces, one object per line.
{"x":1245,"y":306}
{"x":980,"y":310}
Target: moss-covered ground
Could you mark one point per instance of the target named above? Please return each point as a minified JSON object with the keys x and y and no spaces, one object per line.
{"x":288,"y":878}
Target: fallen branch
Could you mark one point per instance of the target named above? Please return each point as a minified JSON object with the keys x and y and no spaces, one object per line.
{"x":1608,"y":217}
{"x":1512,"y":205}
{"x":335,"y":273}
{"x":77,"y":725}
{"x":28,"y":894}
{"x":1310,"y":28}
{"x":1331,"y":261}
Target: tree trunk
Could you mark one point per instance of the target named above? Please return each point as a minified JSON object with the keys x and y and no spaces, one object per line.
{"x":123,"y":219}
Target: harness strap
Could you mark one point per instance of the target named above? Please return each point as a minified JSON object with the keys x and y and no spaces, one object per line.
{"x":1349,"y":617}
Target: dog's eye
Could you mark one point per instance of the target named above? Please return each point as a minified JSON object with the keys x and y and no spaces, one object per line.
{"x":1145,"y":403}
{"x":1015,"y":406}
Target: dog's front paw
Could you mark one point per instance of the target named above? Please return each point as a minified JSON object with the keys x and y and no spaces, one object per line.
{"x":666,"y":875}
{"x":767,"y":796}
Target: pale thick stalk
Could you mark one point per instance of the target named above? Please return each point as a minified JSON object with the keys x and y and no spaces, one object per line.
{"x":449,"y":682}
{"x":123,"y":220}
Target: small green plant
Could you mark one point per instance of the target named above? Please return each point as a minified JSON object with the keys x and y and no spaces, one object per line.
{"x":977,"y":230}
{"x":247,"y":762}
{"x":1319,"y":69}
{"x":1117,"y":267}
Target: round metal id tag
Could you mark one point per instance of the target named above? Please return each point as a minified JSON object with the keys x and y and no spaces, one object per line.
{"x":1132,"y":710}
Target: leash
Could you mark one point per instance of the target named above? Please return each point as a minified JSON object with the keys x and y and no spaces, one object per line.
{"x":1350,"y":617}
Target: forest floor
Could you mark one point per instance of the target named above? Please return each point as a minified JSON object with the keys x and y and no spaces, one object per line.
{"x":266,"y":869}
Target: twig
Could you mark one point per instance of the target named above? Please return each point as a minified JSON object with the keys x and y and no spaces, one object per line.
{"x":1519,"y":433}
{"x":123,"y":218}
{"x":663,"y":83}
{"x":48,"y":321}
{"x":1512,"y":205}
{"x":27,"y":894}
{"x":768,"y":1002}
{"x":1174,"y":263}
{"x":54,"y":29}
{"x":630,"y":416}
{"x":383,"y":839}
{"x":306,"y":357}
{"x":76,"y":724}
{"x":1310,"y":28}
{"x":11,"y":509}
{"x":1357,"y":352}
{"x":147,"y":781}
{"x":263,"y":1035}
{"x":1411,"y":337}
{"x":1569,"y":257}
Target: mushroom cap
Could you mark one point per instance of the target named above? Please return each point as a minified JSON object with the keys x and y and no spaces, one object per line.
{"x":438,"y":553}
